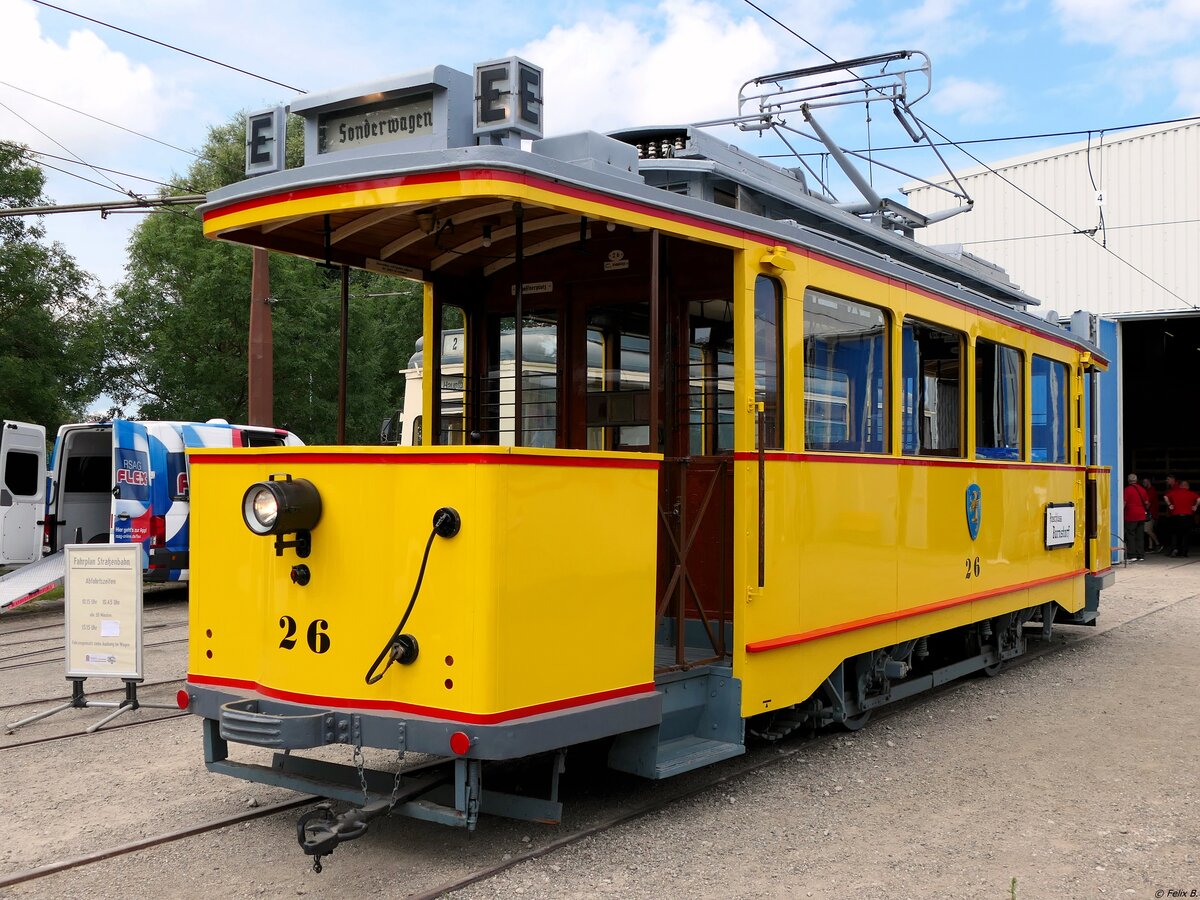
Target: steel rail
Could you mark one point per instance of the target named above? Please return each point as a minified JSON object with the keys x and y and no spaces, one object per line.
{"x":74,"y":734}
{"x":38,"y":701}
{"x":155,"y":841}
{"x":53,"y":659}
{"x":151,"y":626}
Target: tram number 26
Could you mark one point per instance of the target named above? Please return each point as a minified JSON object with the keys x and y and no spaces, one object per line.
{"x":318,"y":640}
{"x":973,"y":568}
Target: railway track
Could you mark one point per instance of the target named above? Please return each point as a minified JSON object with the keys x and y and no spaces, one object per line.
{"x":57,"y":659}
{"x":74,"y":734}
{"x":39,"y":701}
{"x":149,"y":626}
{"x":759,"y":758}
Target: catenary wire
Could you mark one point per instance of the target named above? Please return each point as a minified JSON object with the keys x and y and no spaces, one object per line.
{"x":1007,"y":181}
{"x":226,"y":169}
{"x":1062,"y":218}
{"x":37,"y":155}
{"x":1054,"y":234}
{"x":103,"y":121}
{"x":116,"y":186}
{"x":1080,"y":132}
{"x":199,"y":56}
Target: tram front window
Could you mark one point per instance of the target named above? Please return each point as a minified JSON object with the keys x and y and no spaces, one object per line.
{"x":539,"y":382}
{"x":618,"y":384}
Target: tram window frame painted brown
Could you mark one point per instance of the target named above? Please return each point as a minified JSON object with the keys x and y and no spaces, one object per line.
{"x":846,"y":400}
{"x":768,"y":359}
{"x":999,"y":401}
{"x":1049,"y":384}
{"x":947,"y":371}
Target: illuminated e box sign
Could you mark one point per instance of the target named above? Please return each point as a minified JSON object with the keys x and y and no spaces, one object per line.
{"x":266,"y":141}
{"x":508,"y":97}
{"x":378,"y":123}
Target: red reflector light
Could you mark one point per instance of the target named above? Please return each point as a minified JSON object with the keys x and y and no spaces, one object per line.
{"x":459,"y":743}
{"x":158,"y":531}
{"x":183,"y":700}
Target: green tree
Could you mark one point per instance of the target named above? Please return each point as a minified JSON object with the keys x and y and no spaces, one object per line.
{"x":186,"y":298}
{"x":50,"y":310}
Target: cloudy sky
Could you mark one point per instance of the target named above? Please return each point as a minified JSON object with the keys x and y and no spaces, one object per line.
{"x":1001,"y":68}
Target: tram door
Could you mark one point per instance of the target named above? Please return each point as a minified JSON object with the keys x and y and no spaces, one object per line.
{"x":639,"y":360}
{"x":696,"y":500}
{"x":681,"y":323}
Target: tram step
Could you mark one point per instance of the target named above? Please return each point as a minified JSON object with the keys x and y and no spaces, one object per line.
{"x":691,"y":752}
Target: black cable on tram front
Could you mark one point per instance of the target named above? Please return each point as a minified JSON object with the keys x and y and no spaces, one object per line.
{"x":446,"y":522}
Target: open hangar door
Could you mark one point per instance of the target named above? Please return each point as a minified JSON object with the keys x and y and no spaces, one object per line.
{"x":1160,"y":366}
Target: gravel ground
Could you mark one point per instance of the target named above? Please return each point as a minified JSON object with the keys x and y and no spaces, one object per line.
{"x":1074,"y":774}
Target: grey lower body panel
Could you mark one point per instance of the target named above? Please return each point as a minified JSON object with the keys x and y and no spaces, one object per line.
{"x":250,"y":718}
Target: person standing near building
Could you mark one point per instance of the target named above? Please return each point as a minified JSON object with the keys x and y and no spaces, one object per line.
{"x":1181,"y":502}
{"x":1137,"y":511}
{"x":1153,"y":544}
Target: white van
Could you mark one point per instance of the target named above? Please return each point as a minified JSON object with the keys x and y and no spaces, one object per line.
{"x":110,"y":482}
{"x":22,"y":492}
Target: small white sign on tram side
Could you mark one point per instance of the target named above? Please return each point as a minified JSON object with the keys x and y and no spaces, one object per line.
{"x":104,"y":610}
{"x":1060,"y":525}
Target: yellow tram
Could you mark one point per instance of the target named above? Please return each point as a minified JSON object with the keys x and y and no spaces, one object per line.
{"x":845,"y":467}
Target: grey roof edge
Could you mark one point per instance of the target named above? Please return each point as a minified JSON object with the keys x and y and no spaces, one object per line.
{"x":440,"y":76}
{"x":943,"y":275}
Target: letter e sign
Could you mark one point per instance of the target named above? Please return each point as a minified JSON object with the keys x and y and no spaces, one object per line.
{"x":508,"y":97}
{"x":266,"y":138}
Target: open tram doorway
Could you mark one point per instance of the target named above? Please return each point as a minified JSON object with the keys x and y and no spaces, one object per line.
{"x":626,"y":345}
{"x":1160,"y":430}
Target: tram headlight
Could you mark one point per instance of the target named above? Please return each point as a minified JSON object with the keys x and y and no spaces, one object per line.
{"x":281,"y":505}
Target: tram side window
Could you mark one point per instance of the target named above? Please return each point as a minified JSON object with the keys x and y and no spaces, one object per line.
{"x":931,"y":375}
{"x":768,"y":356}
{"x":1048,"y":394}
{"x":999,"y":403}
{"x":845,"y":375}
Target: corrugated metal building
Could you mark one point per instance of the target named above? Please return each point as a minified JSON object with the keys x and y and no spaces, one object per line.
{"x":1139,"y":267}
{"x":1149,"y":179}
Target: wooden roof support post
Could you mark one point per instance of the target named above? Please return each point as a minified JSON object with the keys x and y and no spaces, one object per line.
{"x":342,"y":356}
{"x":260,"y":365}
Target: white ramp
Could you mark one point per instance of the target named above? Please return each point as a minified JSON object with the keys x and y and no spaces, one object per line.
{"x":31,"y":581}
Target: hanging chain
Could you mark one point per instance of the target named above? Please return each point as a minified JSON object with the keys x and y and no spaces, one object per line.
{"x":362,"y":774}
{"x":399,"y":764}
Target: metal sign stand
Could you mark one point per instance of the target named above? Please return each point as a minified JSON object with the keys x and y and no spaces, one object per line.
{"x":103,"y":625}
{"x":79,"y":700}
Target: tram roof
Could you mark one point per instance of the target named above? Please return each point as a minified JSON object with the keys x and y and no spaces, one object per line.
{"x":421,"y":214}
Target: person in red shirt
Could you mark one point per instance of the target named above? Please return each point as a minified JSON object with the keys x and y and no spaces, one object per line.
{"x":1181,"y":502}
{"x":1153,"y":544}
{"x":1137,"y":511}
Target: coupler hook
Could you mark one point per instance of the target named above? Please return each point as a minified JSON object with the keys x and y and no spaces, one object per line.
{"x":319,"y":831}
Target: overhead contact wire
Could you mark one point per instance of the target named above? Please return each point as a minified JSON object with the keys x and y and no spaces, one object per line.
{"x":142,"y":37}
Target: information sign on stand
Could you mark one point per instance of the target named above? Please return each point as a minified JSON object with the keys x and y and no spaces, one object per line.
{"x":104,"y":611}
{"x":103,"y":588}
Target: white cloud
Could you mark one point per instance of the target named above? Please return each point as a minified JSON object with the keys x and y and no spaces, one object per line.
{"x":684,"y":63}
{"x":969,"y":101}
{"x":82,"y":72}
{"x":1130,"y":27}
{"x":1185,"y":74}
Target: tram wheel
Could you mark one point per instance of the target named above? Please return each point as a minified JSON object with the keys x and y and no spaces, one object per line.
{"x":993,"y":670}
{"x":855,"y":723}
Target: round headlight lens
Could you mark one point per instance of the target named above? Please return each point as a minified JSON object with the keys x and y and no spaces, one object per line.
{"x":260,"y":509}
{"x":281,"y":505}
{"x":266,"y":508}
